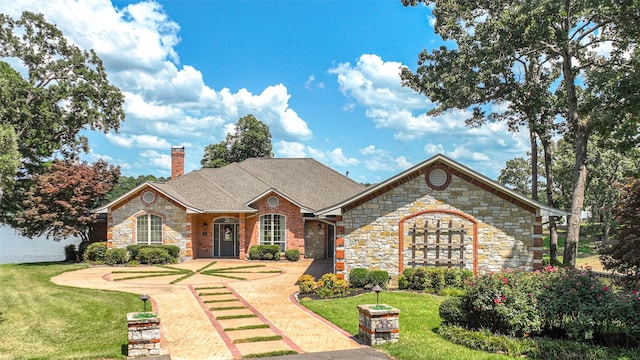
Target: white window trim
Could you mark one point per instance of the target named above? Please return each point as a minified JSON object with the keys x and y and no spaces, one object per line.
{"x":149,"y":230}
{"x":283,"y":229}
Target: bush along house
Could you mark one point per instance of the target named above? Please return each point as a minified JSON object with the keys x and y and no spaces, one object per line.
{"x":437,"y":213}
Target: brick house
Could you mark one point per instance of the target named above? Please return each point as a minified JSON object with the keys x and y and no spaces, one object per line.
{"x":437,"y":213}
{"x":222,"y":212}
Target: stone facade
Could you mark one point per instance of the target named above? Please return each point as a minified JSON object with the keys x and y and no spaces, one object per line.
{"x":501,"y":233}
{"x":176,"y":223}
{"x":378,"y":324}
{"x":143,"y":336}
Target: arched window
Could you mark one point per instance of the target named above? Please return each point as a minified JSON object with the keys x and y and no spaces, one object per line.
{"x":273,"y":230}
{"x":149,"y":229}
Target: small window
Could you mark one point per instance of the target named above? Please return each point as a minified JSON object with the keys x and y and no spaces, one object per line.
{"x":273,"y":202}
{"x":149,"y":229}
{"x":148,"y":197}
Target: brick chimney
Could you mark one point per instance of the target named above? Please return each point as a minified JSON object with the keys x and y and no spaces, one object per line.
{"x":177,"y":161}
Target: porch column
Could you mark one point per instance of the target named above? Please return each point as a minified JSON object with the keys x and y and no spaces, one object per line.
{"x":242,"y":237}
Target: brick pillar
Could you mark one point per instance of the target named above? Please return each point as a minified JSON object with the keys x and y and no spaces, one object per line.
{"x":177,"y":161}
{"x":537,"y":244}
{"x":340,"y":265}
{"x":242,"y":238}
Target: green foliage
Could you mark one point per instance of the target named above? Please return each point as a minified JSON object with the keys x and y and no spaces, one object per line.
{"x":358,"y":278}
{"x":378,"y":277}
{"x":127,"y":183}
{"x":116,"y":256}
{"x":450,"y":311}
{"x":264,"y":252}
{"x":624,"y":255}
{"x":155,"y":255}
{"x":433,"y":280}
{"x":66,"y":90}
{"x":329,"y":286}
{"x":173,"y":250}
{"x":70,"y":253}
{"x":251,"y":138}
{"x":292,"y":254}
{"x":9,"y":157}
{"x":560,"y":303}
{"x":95,"y":251}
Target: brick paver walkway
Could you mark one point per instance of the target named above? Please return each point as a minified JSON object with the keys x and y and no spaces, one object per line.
{"x":190,"y":309}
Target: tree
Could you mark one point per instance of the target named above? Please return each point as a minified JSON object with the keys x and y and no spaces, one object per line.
{"x":9,"y":157}
{"x":624,"y":255}
{"x":516,"y":174}
{"x":251,"y":138}
{"x":60,"y":201}
{"x":560,"y":39}
{"x":66,"y":90}
{"x":127,"y":183}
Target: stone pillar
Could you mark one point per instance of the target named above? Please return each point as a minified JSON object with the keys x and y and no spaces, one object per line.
{"x":144,"y":336}
{"x":378,"y":324}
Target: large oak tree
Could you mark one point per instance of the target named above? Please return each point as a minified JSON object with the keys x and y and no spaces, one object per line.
{"x":64,"y":90}
{"x":252,"y":138}
{"x":582,"y":48}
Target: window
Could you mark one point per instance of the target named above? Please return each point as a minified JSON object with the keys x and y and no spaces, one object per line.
{"x":272,"y":230}
{"x":149,"y":229}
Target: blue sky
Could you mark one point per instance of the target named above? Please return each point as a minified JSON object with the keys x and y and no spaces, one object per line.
{"x":323,"y":74}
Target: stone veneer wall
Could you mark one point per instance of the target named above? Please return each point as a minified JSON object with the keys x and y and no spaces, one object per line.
{"x":176,"y":223}
{"x":507,"y":235}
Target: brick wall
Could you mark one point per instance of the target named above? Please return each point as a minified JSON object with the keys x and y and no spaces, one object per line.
{"x":376,"y":232}
{"x":294,"y":225}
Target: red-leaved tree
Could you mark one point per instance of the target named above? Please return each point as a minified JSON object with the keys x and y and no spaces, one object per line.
{"x":59,"y":202}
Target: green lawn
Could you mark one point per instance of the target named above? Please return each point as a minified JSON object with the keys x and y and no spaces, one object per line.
{"x":419,"y":321}
{"x":41,"y":320}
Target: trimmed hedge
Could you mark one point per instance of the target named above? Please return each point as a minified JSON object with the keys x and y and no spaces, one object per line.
{"x":361,"y":278}
{"x":433,"y":280}
{"x":116,"y":256}
{"x":155,"y":255}
{"x":292,"y":255}
{"x":358,"y":277}
{"x":172,"y":250}
{"x":264,"y":252}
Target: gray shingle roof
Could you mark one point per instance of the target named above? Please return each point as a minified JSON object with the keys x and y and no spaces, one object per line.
{"x":306,"y":182}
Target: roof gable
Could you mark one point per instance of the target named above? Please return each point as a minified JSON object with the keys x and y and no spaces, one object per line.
{"x":454,"y":168}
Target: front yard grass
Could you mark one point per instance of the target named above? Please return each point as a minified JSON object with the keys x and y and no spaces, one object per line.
{"x":419,"y":320}
{"x":41,"y":320}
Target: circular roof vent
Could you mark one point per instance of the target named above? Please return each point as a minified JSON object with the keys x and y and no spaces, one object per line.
{"x":148,"y":197}
{"x":438,"y":178}
{"x":273,"y":201}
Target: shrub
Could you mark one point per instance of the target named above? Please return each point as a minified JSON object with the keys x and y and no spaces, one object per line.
{"x":95,"y":251}
{"x":116,"y":256}
{"x":292,"y":255}
{"x":377,"y":277}
{"x":264,"y":252}
{"x":154,"y":255}
{"x":173,"y":250}
{"x":358,"y":277}
{"x":451,"y":311}
{"x":433,"y":280}
{"x":330,"y":286}
{"x":306,"y":283}
{"x":451,"y":291}
{"x":504,"y":302}
{"x":70,"y":253}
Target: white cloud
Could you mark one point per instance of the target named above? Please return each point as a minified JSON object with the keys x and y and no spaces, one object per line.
{"x":138,"y":141}
{"x":433,"y":149}
{"x":159,"y":160}
{"x":287,"y":149}
{"x":379,"y":160}
{"x":338,"y":158}
{"x":137,"y":44}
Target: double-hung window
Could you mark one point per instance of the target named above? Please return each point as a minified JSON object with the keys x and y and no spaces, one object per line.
{"x":273,"y":230}
{"x":149,"y":229}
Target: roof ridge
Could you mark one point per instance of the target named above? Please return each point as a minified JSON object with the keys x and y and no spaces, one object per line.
{"x":206,"y":179}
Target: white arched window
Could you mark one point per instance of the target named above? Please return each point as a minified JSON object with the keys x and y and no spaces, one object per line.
{"x":273,"y":230}
{"x":148,"y":229}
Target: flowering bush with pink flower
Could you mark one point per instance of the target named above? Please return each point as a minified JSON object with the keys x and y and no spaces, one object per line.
{"x":554,"y":302}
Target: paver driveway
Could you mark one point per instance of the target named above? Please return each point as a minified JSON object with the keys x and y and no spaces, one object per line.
{"x":193,"y":310}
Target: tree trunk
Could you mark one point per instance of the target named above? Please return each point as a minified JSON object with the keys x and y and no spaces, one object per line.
{"x":534,"y":164}
{"x":553,"y":227}
{"x":580,"y":131}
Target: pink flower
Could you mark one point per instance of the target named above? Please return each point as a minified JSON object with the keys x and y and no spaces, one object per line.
{"x":505,"y":280}
{"x":605,"y":288}
{"x":634,"y":292}
{"x":497,"y":301}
